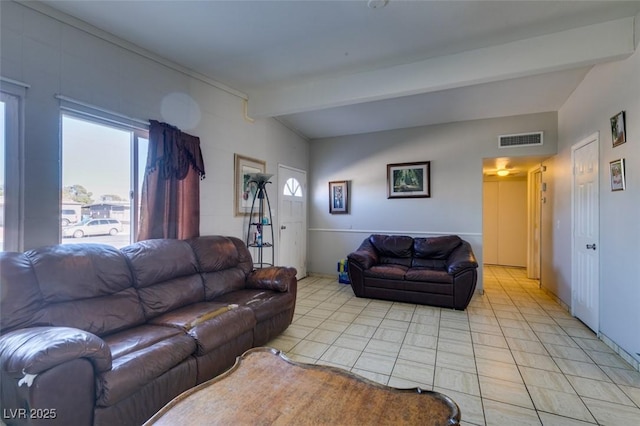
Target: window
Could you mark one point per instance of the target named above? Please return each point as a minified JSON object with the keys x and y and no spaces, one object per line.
{"x":102,"y":172}
{"x":11,"y":97}
{"x":292,"y":188}
{"x":2,"y":163}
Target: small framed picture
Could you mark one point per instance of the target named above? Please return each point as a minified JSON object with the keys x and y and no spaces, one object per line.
{"x":617,"y":175}
{"x":339,"y":197}
{"x":618,"y":129}
{"x":409,"y":180}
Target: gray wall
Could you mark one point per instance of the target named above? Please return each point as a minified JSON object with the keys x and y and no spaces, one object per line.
{"x":606,"y":90}
{"x":57,"y":58}
{"x":455,"y":150}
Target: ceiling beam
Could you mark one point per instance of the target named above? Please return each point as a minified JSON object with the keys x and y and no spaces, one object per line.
{"x":573,"y":48}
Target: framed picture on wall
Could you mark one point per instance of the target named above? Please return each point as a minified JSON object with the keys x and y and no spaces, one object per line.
{"x":616,"y":168}
{"x":338,"y":197}
{"x":243,"y":190}
{"x":409,"y":180}
{"x":618,"y":129}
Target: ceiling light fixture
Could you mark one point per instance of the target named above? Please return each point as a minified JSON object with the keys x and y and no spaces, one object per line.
{"x":502,"y":172}
{"x":377,"y":4}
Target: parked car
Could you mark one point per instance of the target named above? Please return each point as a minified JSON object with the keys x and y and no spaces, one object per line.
{"x":68,"y":217}
{"x":93,"y":227}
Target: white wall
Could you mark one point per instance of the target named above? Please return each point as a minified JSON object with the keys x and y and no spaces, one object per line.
{"x":455,"y":150}
{"x":606,"y":90}
{"x":57,"y":58}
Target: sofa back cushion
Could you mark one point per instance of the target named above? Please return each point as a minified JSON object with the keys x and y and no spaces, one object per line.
{"x":432,"y":252}
{"x":86,"y":286}
{"x":20,"y":300}
{"x":224,"y":263}
{"x":395,"y":249}
{"x":165,"y":273}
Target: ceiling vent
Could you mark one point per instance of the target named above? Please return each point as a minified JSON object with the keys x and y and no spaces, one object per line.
{"x":520,"y":139}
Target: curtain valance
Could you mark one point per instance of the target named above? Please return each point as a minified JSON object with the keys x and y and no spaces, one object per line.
{"x":173,"y":152}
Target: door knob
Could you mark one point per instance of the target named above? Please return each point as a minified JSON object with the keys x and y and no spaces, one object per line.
{"x":591,"y":246}
{"x":283,"y":227}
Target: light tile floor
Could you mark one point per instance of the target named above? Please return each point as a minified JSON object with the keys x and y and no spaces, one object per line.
{"x":513,"y":357}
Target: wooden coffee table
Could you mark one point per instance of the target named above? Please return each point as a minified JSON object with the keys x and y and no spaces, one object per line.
{"x":264,"y":387}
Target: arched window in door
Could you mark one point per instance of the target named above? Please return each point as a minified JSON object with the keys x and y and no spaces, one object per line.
{"x":292,"y":188}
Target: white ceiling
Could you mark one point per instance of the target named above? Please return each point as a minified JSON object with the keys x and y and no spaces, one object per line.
{"x":328,"y":68}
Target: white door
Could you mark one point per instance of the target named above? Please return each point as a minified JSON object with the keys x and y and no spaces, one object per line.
{"x":585,"y":264}
{"x":490,"y":227}
{"x":504,"y":222}
{"x":293,"y":218}
{"x":512,"y":223}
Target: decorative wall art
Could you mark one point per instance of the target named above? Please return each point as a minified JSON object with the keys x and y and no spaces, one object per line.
{"x":409,"y":180}
{"x":243,"y":190}
{"x":617,"y":175}
{"x":618,"y":129}
{"x":338,"y":197}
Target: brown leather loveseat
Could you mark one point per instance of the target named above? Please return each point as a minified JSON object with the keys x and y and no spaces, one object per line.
{"x":93,"y":335}
{"x":438,"y":271}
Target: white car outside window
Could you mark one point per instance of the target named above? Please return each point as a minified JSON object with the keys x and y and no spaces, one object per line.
{"x":93,"y":227}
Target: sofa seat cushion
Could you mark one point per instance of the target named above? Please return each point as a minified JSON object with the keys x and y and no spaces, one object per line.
{"x":390,"y":271}
{"x":264,"y":303}
{"x":210,"y":324}
{"x":429,"y":275}
{"x":140,"y":355}
{"x":428,"y":263}
{"x":382,"y":284}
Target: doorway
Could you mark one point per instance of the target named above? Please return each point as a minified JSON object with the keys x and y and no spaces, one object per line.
{"x":292,"y":187}
{"x":534,"y":223}
{"x":512,"y":204}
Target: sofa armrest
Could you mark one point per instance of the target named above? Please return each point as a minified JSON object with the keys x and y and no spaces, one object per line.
{"x":364,"y":257}
{"x":461,"y":259}
{"x":30,"y":351}
{"x":277,"y":278}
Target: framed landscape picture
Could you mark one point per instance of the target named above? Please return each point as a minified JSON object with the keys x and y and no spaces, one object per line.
{"x":409,"y":180}
{"x":618,"y":129}
{"x":243,"y":190}
{"x":338,"y":197}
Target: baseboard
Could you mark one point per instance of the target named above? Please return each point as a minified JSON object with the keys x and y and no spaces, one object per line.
{"x":556,"y":299}
{"x":321,"y":275}
{"x":606,"y":340}
{"x":623,"y":354}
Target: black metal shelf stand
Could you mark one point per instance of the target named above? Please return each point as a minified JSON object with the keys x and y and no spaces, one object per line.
{"x":260,"y":222}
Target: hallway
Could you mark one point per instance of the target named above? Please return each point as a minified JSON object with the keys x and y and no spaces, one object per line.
{"x":515,"y":356}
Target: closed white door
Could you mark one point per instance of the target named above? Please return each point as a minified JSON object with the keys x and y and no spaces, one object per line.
{"x":505,"y":222}
{"x":293,"y":218}
{"x":585,"y":284}
{"x":490,"y":227}
{"x":512,"y":223}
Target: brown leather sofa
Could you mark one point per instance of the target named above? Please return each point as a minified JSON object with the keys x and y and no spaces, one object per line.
{"x":437,"y":271}
{"x":93,"y":335}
